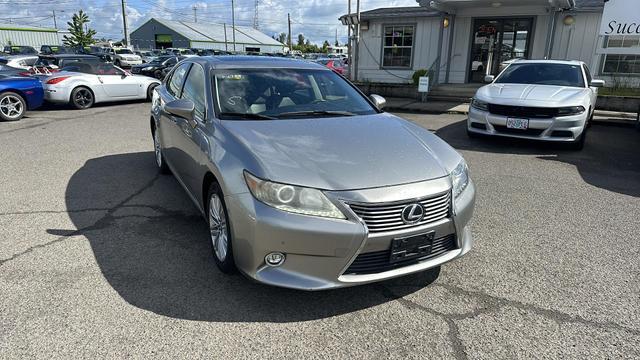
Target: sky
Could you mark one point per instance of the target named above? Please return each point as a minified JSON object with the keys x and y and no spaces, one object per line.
{"x":317,"y":20}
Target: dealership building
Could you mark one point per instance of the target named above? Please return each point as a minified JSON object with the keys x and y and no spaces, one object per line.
{"x":162,"y":34}
{"x":461,"y":41}
{"x":20,"y":35}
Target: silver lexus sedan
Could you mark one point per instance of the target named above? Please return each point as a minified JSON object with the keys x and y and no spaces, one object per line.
{"x":305,"y":183}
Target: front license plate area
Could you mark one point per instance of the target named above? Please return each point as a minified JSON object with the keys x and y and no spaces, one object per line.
{"x":412,"y":247}
{"x":517,"y":123}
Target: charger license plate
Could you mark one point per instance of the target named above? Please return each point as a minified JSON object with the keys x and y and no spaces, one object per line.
{"x":517,"y":123}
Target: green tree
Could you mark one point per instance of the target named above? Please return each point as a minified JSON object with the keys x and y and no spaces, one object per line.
{"x":337,"y":43}
{"x":282,"y":37}
{"x":80,"y":36}
{"x":300,"y":40}
{"x":325,"y":46}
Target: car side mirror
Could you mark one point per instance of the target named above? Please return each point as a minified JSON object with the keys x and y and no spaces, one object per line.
{"x":597,"y":83}
{"x":378,"y":101}
{"x":181,"y":108}
{"x":489,"y":78}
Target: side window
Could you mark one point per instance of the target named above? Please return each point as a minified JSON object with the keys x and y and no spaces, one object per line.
{"x":175,"y":83}
{"x":194,"y":90}
{"x":588,"y":73}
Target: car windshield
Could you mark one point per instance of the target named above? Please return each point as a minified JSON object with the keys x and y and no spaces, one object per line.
{"x":286,"y":93}
{"x":542,"y":74}
{"x":124,"y":51}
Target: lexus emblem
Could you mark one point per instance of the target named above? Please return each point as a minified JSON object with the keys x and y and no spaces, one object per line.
{"x":412,"y":214}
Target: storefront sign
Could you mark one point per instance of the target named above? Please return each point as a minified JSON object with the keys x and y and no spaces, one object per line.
{"x":423,"y":84}
{"x":620,"y":17}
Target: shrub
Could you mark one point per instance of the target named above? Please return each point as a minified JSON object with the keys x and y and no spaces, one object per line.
{"x":418,"y":74}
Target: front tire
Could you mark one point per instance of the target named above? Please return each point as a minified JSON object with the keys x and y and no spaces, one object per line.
{"x":219,"y":230}
{"x":12,"y":106}
{"x":82,"y":98}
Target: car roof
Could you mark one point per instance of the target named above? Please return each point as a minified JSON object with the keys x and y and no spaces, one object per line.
{"x":564,"y":62}
{"x":248,"y":62}
{"x":75,"y":56}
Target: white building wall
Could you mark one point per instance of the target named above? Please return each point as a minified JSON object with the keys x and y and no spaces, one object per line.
{"x":424,"y":51}
{"x":29,"y":38}
{"x":580,"y":40}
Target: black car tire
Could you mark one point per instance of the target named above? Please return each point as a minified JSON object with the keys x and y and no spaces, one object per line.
{"x":157,"y":74}
{"x":17,"y":100}
{"x":82,"y":98}
{"x":117,"y":63}
{"x":578,"y":144}
{"x":150,"y":91}
{"x":227,"y":265}
{"x":163,"y":168}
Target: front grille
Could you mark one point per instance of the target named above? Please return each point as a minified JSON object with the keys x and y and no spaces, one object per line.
{"x":383,"y":217}
{"x":527,"y":132}
{"x":378,"y":261}
{"x":523,"y":111}
{"x":135,"y":70}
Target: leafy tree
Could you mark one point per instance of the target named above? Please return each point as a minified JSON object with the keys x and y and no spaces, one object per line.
{"x":80,"y":37}
{"x":300,"y":40}
{"x":337,"y":43}
{"x":325,"y":46}
{"x":282,"y":37}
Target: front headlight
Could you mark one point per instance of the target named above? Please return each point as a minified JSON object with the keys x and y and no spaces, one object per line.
{"x":147,"y":68}
{"x":460,"y":178}
{"x":480,"y":105}
{"x":295,"y":199}
{"x":570,"y":110}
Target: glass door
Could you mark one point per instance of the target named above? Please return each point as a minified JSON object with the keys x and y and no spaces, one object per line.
{"x":497,"y":42}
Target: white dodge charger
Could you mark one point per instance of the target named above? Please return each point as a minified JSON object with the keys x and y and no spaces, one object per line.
{"x":536,"y":99}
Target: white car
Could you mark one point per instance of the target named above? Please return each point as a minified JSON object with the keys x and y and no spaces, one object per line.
{"x":24,"y":62}
{"x":84,"y":84}
{"x":536,"y":99}
{"x":124,"y":57}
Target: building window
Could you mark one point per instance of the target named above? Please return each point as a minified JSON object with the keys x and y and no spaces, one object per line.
{"x":618,"y":63}
{"x":397,"y":47}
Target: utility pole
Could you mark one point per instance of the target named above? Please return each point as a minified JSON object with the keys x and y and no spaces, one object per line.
{"x":195,"y":13}
{"x":349,"y":56}
{"x":55,"y":24}
{"x":124,"y":22}
{"x":290,"y":39}
{"x":233,"y":23}
{"x":255,"y":15}
{"x":226,"y":48}
{"x":357,"y":57}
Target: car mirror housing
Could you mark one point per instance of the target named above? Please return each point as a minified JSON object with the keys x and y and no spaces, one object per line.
{"x":378,"y":101}
{"x":181,"y":108}
{"x":489,"y":78}
{"x":597,"y":83}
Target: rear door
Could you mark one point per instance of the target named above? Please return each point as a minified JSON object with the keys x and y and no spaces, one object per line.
{"x":116,"y":83}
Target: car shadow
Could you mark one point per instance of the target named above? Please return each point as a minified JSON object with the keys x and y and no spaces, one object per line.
{"x":151,"y":245}
{"x":610,"y":159}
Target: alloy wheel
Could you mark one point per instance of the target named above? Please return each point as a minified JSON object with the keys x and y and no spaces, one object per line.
{"x":157,"y":148}
{"x":83,"y":97}
{"x":11,"y":107}
{"x":218,"y":227}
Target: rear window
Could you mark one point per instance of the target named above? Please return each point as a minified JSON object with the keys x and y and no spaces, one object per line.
{"x":542,"y":74}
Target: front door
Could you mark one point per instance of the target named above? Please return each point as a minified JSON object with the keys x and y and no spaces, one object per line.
{"x":495,"y":43}
{"x":117,"y":84}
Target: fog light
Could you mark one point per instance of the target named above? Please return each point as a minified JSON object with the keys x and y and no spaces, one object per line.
{"x":274,"y":259}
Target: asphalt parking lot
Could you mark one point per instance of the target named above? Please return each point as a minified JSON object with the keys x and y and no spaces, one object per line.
{"x":102,"y":257}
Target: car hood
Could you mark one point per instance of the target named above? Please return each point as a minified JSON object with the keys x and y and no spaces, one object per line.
{"x":559,"y":95}
{"x":344,"y":153}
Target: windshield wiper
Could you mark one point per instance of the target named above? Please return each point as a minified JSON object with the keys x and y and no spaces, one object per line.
{"x":247,"y":116}
{"x":316,"y":113}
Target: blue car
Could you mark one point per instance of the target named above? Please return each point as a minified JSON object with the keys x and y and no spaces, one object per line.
{"x":17,"y":95}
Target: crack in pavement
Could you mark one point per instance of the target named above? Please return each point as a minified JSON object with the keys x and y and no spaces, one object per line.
{"x":104,"y":222}
{"x":492,"y":304}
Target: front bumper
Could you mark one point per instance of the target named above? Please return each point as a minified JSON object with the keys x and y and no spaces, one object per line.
{"x":319,"y":250}
{"x":560,"y":129}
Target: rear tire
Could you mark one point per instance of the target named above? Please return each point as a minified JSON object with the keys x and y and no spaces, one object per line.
{"x":150,"y":91}
{"x":12,"y":106}
{"x":82,"y":98}
{"x":219,"y":230}
{"x":163,"y":168}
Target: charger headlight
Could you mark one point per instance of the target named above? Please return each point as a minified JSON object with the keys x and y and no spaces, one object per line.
{"x":460,"y":178}
{"x":479,"y":104}
{"x":294,"y":199}
{"x":570,"y":110}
